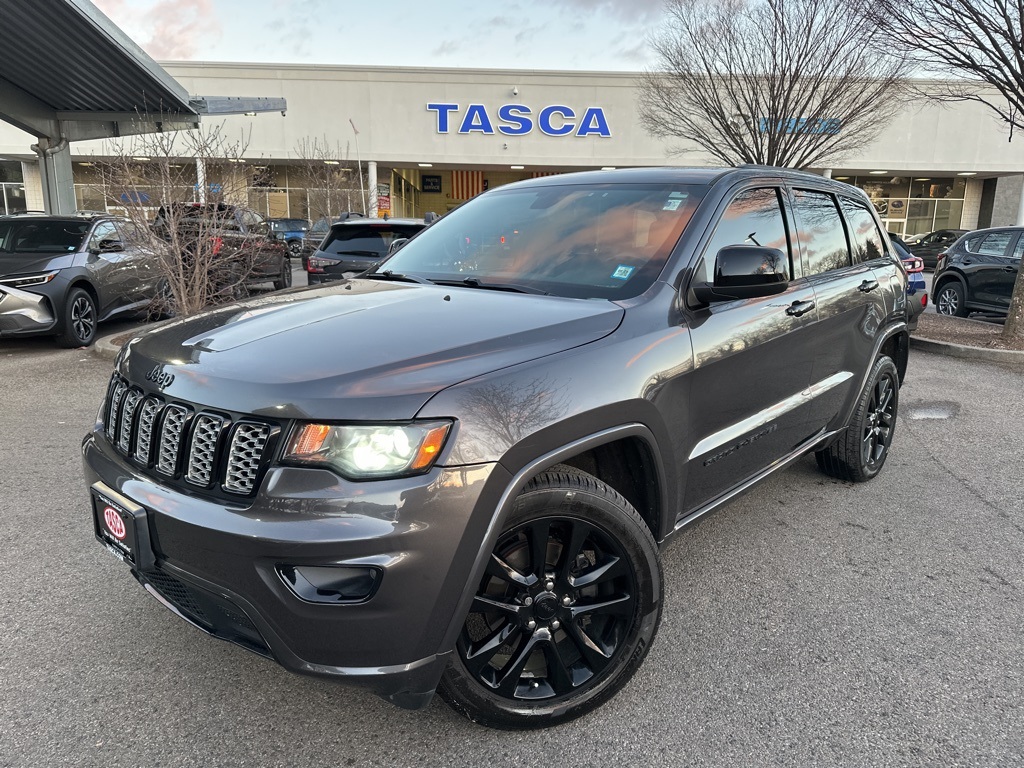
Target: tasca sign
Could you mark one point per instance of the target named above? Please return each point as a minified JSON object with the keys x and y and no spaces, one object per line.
{"x":520,"y":120}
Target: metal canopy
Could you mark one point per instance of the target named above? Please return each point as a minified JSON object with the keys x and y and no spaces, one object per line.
{"x":67,"y":73}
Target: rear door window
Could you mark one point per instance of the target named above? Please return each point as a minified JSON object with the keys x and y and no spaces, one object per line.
{"x":821,"y":231}
{"x":994,"y":244}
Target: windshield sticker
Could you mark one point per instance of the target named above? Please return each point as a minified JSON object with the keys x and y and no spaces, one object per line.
{"x":681,"y":195}
{"x":622,"y":272}
{"x":672,"y":205}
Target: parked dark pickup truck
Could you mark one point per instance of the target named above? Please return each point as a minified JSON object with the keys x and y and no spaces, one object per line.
{"x":457,"y":471}
{"x":254,"y":254}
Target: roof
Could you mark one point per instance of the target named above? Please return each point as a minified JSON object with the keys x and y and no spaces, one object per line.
{"x":90,"y":65}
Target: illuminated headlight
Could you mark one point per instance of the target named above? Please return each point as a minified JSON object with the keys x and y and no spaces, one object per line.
{"x":25,"y":282}
{"x":360,"y":451}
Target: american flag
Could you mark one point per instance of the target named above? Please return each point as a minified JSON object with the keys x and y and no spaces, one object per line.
{"x":467,"y":184}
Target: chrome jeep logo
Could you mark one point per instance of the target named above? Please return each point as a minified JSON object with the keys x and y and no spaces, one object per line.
{"x":158,"y":377}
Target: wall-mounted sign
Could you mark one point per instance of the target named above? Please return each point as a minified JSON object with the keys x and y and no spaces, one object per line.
{"x":821,"y":125}
{"x":383,"y":199}
{"x":519,"y":120}
{"x":431,"y":183}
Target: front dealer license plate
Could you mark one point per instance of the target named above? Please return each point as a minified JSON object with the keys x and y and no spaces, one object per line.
{"x":121,"y":526}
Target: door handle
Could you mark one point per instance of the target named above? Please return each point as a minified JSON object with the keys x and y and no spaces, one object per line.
{"x":1009,"y":269}
{"x":798,"y":308}
{"x":867,"y":286}
{"x":968,"y":261}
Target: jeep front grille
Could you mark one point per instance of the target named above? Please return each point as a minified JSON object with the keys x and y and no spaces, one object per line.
{"x":205,"y":435}
{"x":175,"y":417}
{"x":185,"y":443}
{"x":244,"y":457}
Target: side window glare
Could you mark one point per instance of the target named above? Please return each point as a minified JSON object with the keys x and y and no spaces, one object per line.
{"x":864,"y":235}
{"x":754,"y":217}
{"x":822,"y":235}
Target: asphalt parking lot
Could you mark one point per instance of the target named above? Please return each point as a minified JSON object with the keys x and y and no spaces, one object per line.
{"x":811,"y":622}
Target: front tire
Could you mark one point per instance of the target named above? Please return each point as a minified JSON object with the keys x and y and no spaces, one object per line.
{"x":858,"y":455}
{"x":80,"y":320}
{"x":566,"y":611}
{"x":951,"y":300}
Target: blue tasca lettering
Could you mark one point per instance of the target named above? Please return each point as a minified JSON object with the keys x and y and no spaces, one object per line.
{"x":593,"y":123}
{"x":476,"y":120}
{"x":544,"y":123}
{"x":519,"y":117}
{"x":443,"y":110}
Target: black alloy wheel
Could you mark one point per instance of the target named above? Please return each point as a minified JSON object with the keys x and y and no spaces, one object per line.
{"x":860,"y":452}
{"x":295,"y":247}
{"x":951,"y":301}
{"x":80,"y":320}
{"x":565,"y":611}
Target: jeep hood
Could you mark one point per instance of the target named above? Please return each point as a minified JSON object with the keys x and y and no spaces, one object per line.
{"x":355,"y":350}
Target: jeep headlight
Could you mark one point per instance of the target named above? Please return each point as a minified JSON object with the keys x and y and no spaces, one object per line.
{"x":361,"y":451}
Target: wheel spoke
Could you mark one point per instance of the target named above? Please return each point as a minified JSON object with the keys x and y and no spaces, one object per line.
{"x":559,"y":675}
{"x":511,"y":672}
{"x":483,"y":604}
{"x":592,"y":653}
{"x":621,"y":605}
{"x":572,"y":549}
{"x":610,"y":568}
{"x":477,"y":655}
{"x":539,"y":533}
{"x":500,"y":569}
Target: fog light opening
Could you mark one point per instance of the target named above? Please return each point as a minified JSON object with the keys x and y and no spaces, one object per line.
{"x":331,"y":584}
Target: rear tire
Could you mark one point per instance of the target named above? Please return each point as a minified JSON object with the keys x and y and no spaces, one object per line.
{"x":566,"y":611}
{"x":860,"y":452}
{"x":79,"y":321}
{"x":285,"y":280}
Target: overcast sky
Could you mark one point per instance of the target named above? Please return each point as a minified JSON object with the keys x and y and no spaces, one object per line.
{"x":520,"y":34}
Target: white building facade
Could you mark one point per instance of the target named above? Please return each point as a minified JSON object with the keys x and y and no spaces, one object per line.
{"x":428,"y":139}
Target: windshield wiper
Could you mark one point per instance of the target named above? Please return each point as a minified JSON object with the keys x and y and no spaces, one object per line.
{"x":475,"y":282}
{"x":387,"y":274}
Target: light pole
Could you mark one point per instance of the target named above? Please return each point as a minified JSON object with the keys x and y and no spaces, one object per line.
{"x":359,"y":165}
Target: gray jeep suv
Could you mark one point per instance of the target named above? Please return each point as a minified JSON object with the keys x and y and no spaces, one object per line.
{"x":457,"y":472}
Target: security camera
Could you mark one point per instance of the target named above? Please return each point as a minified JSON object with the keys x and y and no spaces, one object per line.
{"x":515,"y":90}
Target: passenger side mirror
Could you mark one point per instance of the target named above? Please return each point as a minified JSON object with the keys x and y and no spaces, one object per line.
{"x":108,"y":245}
{"x":745,"y":272}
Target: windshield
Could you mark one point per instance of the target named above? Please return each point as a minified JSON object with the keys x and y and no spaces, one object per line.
{"x":42,"y":236}
{"x":605,"y":241}
{"x":365,"y":239}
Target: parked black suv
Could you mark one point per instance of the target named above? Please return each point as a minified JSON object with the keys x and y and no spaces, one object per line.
{"x":978,"y":272}
{"x":356,"y":244}
{"x":928,"y":247}
{"x":62,"y":275}
{"x":458,"y":470}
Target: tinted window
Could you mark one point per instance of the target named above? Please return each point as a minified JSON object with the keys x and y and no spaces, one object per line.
{"x":605,"y":241}
{"x":42,"y":236}
{"x":995,"y":244}
{"x":1018,"y":249}
{"x":753,"y":218}
{"x":104,"y":231}
{"x":973,"y":243}
{"x":365,"y":240}
{"x":864,"y":234}
{"x":822,"y":236}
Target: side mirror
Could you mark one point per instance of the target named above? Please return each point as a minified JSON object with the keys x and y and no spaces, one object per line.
{"x":397,"y":244}
{"x":745,"y":272}
{"x":109,"y":245}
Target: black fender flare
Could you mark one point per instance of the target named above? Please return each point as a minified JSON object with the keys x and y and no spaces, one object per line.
{"x":511,"y":490}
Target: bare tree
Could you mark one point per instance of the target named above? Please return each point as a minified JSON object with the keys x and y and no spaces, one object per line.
{"x":967,"y":41}
{"x":791,"y":83}
{"x":332,"y":181}
{"x":155,"y":181}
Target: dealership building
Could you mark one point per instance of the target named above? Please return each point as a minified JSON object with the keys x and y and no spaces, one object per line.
{"x":429,"y":139}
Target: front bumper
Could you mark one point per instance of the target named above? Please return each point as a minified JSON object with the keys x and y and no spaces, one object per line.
{"x":217,"y":565}
{"x":23,"y":313}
